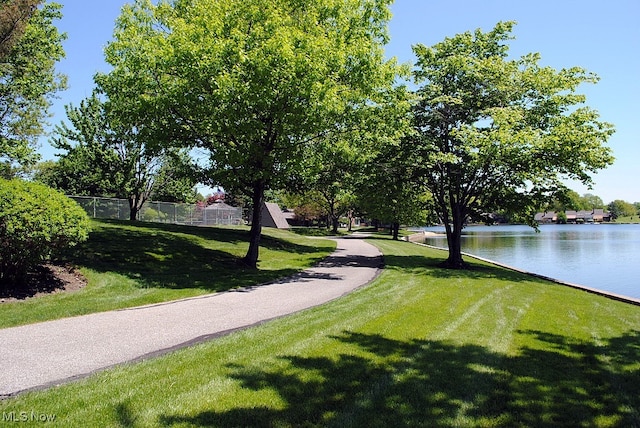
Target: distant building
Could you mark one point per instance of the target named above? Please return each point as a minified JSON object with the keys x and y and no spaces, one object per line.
{"x":272,"y":216}
{"x":575,"y":217}
{"x":546,"y":217}
{"x":600,"y":215}
{"x":220,"y":213}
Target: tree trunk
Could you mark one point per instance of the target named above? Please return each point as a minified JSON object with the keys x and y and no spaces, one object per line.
{"x":395,"y":229}
{"x":454,"y":261}
{"x":454,"y":240}
{"x":136,"y":202}
{"x":334,"y":224}
{"x":251,"y":258}
{"x":134,"y":208}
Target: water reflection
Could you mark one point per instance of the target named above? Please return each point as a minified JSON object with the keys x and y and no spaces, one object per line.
{"x":603,"y":256}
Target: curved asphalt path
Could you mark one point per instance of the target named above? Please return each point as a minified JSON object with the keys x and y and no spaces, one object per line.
{"x":45,"y":354}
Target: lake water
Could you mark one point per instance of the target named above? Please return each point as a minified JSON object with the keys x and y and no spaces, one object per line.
{"x":602,"y":256}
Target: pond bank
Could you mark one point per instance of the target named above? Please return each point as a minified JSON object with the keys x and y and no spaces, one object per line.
{"x":419,"y":238}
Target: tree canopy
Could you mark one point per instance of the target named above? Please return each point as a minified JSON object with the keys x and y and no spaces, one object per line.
{"x":104,"y":156}
{"x":253,"y":82}
{"x":387,"y":193}
{"x":570,"y":200}
{"x":620,"y":208}
{"x":498,"y":133}
{"x":14,"y":17}
{"x":30,"y":45}
{"x":330,"y":174}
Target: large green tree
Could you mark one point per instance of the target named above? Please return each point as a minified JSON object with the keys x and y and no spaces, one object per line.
{"x":343,"y":167}
{"x":104,"y":156}
{"x":565,"y":201}
{"x":252,"y":82}
{"x":85,"y":165}
{"x":329,"y":174}
{"x":14,"y":17}
{"x":620,"y":208}
{"x":385,"y":190}
{"x":570,"y":200}
{"x":387,"y":193}
{"x":589,"y":201}
{"x":495,"y":133}
{"x":176,"y":180}
{"x":30,"y":46}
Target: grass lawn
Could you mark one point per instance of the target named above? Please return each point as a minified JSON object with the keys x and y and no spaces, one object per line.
{"x":130,"y":265}
{"x":629,"y":219}
{"x":420,"y":346}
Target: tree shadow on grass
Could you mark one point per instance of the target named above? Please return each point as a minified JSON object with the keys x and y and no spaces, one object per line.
{"x":429,"y":263}
{"x":380,"y":382}
{"x":231,"y":235}
{"x":171,"y":256}
{"x":430,"y":266}
{"x":574,"y":382}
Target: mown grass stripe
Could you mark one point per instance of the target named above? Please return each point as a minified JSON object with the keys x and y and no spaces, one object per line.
{"x":378,"y":357}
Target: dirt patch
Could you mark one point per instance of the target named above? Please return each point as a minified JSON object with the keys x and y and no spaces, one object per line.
{"x":47,"y":279}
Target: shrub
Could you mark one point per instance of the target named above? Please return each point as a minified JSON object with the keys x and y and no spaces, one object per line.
{"x":36,"y":222}
{"x":153,"y":215}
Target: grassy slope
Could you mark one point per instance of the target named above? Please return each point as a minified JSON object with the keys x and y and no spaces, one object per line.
{"x":129,"y":265}
{"x":419,"y":346}
{"x":629,"y":219}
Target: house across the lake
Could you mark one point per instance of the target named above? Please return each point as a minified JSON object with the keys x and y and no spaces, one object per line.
{"x":576,"y":217}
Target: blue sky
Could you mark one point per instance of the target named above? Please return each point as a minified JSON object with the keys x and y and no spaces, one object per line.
{"x":603,"y":37}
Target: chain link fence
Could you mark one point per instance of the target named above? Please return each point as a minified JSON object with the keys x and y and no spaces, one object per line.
{"x":161,"y":212}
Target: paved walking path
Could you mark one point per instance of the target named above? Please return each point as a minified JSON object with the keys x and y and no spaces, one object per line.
{"x":46,"y":354}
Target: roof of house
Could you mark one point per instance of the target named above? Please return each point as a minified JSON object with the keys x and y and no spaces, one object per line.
{"x":221,"y":206}
{"x":272,"y":216}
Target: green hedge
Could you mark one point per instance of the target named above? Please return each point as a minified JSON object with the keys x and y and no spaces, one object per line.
{"x":35,"y":223}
